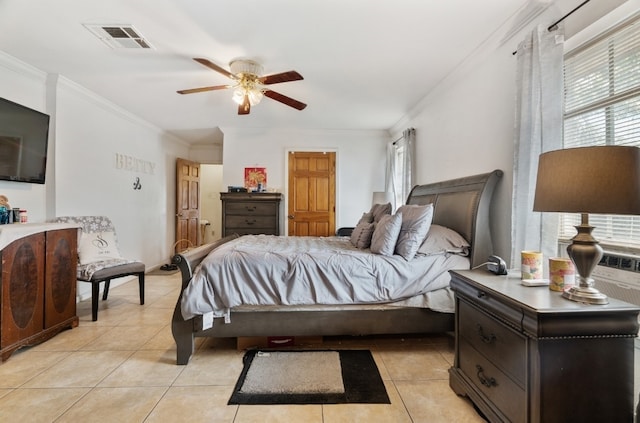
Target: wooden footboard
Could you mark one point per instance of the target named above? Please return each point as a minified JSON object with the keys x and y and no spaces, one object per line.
{"x":183,"y":330}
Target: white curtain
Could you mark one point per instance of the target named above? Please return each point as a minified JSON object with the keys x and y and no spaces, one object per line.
{"x":390,"y":173}
{"x":400,"y":172}
{"x":538,"y":121}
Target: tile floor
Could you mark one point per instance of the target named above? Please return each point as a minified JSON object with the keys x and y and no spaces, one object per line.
{"x":122,"y":369}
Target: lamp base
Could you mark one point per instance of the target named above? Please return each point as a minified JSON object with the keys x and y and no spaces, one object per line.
{"x":585,"y":252}
{"x":585,"y":295}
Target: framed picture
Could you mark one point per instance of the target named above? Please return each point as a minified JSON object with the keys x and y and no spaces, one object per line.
{"x":254,"y":176}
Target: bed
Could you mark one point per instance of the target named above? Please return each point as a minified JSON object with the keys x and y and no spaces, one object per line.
{"x":462,"y":205}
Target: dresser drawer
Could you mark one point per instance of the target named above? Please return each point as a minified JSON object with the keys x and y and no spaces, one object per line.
{"x":505,"y":347}
{"x":507,"y":395}
{"x":251,"y":231}
{"x":250,"y":208}
{"x":250,"y":222}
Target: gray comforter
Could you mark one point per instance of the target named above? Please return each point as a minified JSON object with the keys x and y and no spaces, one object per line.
{"x":273,"y":270}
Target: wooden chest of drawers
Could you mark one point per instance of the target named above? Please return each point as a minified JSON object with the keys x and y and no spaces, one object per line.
{"x":529,"y":355}
{"x":250,"y":213}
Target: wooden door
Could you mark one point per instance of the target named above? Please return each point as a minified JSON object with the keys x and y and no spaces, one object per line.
{"x":312,"y":189}
{"x":187,"y":205}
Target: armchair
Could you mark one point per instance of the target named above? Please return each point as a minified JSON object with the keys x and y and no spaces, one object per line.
{"x":99,"y":259}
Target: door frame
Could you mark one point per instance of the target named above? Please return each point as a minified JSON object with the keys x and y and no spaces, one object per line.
{"x":285,"y":194}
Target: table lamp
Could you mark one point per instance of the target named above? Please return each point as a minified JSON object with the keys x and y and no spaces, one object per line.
{"x":380,"y":197}
{"x":602,"y":179}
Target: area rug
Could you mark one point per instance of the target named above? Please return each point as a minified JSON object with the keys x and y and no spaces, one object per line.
{"x":309,"y":377}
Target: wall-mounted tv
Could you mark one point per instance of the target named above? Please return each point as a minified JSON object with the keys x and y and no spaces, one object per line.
{"x":24,"y":133}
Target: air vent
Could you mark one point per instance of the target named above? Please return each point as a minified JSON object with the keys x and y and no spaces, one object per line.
{"x":119,"y":36}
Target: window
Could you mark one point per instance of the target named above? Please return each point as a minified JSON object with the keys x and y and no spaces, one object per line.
{"x":602,"y":107}
{"x":401,"y":191}
{"x":401,"y":168}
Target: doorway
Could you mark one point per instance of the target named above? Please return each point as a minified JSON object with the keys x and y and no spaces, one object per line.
{"x":311,"y":193}
{"x":187,"y":205}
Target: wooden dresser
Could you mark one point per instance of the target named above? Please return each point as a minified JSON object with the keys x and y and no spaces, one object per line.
{"x":250,"y":213}
{"x":525,"y":354}
{"x":38,"y":283}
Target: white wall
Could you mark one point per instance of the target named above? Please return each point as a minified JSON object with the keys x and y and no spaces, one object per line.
{"x":24,"y":85}
{"x":91,"y":133}
{"x":83,"y":177}
{"x":465,"y":125}
{"x":360,"y":162}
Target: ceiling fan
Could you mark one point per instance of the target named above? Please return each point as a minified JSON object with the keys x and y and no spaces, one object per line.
{"x":248,"y":86}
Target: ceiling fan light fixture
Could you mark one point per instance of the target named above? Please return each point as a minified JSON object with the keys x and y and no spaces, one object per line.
{"x":255,"y":95}
{"x":250,"y":86}
{"x":245,"y":67}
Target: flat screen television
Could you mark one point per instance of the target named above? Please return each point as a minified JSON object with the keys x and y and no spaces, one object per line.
{"x":24,"y":135}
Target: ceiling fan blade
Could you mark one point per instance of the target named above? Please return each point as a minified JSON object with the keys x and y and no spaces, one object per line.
{"x":215,"y":67}
{"x":277,"y":78}
{"x":202,"y":89}
{"x":284,"y":99}
{"x":245,"y":107}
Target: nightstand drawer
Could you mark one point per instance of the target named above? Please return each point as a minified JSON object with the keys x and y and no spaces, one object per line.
{"x":250,"y":208}
{"x":506,"y":348}
{"x":493,"y":383}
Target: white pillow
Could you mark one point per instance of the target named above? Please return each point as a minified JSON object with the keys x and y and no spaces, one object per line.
{"x":442,"y":240}
{"x":97,"y":246}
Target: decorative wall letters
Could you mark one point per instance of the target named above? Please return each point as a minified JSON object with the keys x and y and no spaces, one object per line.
{"x":132,"y":164}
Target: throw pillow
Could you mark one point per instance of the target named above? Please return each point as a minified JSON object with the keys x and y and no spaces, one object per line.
{"x":442,"y":240}
{"x":97,"y":246}
{"x":361,"y":235}
{"x":416,"y":221}
{"x":386,"y":233}
{"x":366,"y":218}
{"x":379,"y":210}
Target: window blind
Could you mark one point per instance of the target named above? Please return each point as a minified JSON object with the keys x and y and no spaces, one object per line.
{"x":602,"y":107}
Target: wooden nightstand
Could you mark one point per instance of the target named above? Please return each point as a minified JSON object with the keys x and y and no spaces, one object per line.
{"x":525,"y":354}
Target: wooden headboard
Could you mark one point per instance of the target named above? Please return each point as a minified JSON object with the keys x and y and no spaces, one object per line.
{"x":463,"y":205}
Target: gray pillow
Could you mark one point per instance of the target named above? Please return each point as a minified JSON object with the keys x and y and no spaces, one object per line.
{"x":442,"y":240}
{"x":379,"y":210}
{"x":386,"y":234}
{"x":366,"y":218}
{"x":361,"y":235}
{"x":416,"y":221}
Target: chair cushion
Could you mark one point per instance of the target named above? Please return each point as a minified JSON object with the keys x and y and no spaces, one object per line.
{"x":101,"y":270}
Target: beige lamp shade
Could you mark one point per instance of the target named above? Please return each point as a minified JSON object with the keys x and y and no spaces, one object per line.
{"x":602,"y":179}
{"x":380,"y":197}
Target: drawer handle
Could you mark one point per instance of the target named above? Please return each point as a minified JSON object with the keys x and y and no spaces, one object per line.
{"x":486,"y":339}
{"x":486,"y":381}
{"x":249,"y":222}
{"x":481,"y":294}
{"x":251,"y":209}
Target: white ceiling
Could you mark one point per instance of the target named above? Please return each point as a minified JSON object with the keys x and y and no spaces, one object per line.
{"x":365,"y":63}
